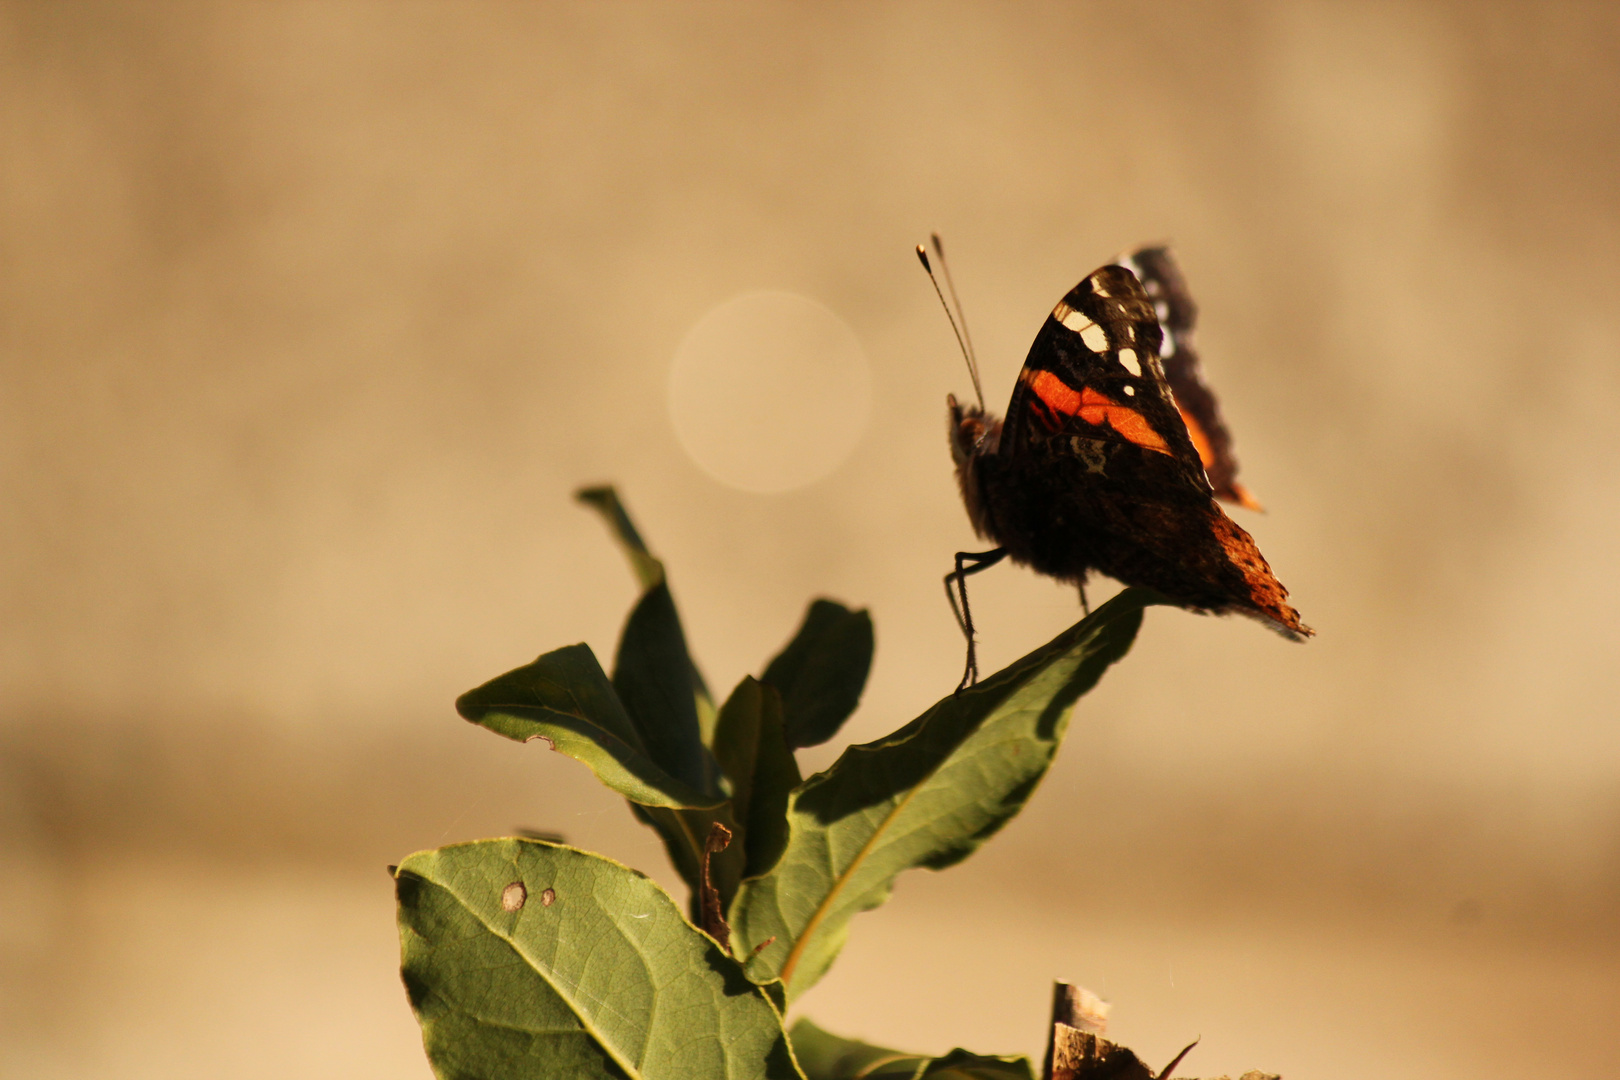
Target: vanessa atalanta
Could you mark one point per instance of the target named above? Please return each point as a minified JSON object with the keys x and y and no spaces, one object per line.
{"x":1097,"y":465}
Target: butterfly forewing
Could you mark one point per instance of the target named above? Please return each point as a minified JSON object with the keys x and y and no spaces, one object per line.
{"x":1094,"y":374}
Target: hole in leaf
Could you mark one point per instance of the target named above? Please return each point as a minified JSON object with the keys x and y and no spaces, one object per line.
{"x":548,"y":897}
{"x":514,"y":896}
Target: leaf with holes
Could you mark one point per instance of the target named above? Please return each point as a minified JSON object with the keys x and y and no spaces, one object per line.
{"x":824,"y":1056}
{"x":927,"y":796}
{"x":524,"y":959}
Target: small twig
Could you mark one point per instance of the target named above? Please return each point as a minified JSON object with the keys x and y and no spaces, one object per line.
{"x":714,"y":920}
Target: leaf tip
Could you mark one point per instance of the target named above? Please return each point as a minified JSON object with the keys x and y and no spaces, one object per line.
{"x":603,"y":498}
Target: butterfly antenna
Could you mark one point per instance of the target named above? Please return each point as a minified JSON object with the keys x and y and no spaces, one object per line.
{"x":961,"y":342}
{"x":961,"y":315}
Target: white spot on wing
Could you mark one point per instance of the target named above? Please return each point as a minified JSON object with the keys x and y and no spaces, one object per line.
{"x":1127,"y":358}
{"x":1095,"y":337}
{"x":1097,"y":287}
{"x":1130,"y":391}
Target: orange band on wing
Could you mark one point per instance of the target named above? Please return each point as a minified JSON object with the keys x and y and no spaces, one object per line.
{"x":1058,"y":395}
{"x":1094,"y":408}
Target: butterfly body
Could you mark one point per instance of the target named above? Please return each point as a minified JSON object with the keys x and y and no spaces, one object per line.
{"x":1094,"y":466}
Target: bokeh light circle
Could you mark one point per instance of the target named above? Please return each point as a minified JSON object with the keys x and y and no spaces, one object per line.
{"x":769,"y":391}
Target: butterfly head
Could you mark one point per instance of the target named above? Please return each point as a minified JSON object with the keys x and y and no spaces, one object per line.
{"x":972,"y":430}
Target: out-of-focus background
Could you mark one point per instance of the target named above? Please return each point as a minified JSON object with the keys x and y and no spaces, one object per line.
{"x":312,"y":316}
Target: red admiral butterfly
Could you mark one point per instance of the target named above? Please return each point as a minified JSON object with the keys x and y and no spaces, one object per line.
{"x":1103,"y":463}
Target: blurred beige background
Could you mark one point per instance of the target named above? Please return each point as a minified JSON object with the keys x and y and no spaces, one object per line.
{"x":313,"y":315}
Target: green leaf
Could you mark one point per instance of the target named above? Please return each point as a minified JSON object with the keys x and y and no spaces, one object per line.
{"x":824,"y":1056}
{"x":755,"y":758}
{"x":927,"y":796}
{"x":652,"y":671}
{"x":648,"y":570}
{"x":664,"y":694}
{"x":565,"y":698}
{"x":659,"y":686}
{"x":605,"y":501}
{"x":530,"y":960}
{"x":822,"y":671}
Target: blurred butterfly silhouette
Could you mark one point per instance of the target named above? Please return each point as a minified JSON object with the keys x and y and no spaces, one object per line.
{"x":1110,"y":459}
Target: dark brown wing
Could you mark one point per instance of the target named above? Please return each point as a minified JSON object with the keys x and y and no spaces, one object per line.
{"x":1093,"y":374}
{"x":1173,"y":304}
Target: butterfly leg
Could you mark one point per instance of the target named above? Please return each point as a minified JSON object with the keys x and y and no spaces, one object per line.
{"x":1085,"y":605}
{"x":980,"y":560}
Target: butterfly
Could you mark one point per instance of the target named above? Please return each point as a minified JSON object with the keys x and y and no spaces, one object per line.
{"x":1103,"y":463}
